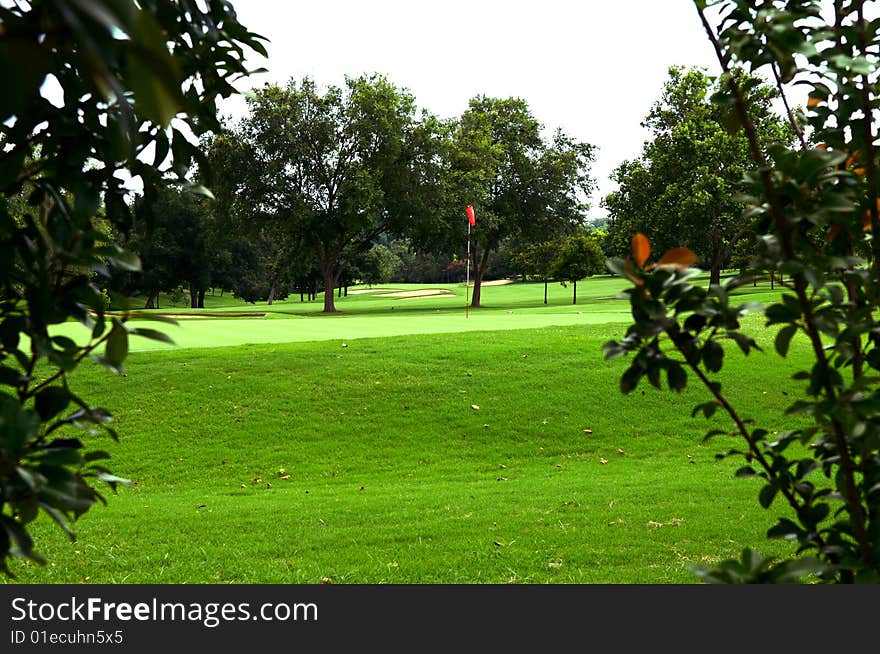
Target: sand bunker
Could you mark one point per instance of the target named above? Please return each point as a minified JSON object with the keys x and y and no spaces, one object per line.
{"x":496,"y":282}
{"x":424,"y":292}
{"x":361,"y":291}
{"x":146,"y":314}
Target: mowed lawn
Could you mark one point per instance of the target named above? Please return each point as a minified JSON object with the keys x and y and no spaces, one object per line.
{"x":495,"y":455}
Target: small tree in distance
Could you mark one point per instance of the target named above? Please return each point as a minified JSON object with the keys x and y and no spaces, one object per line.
{"x":578,"y":257}
{"x":816,"y":211}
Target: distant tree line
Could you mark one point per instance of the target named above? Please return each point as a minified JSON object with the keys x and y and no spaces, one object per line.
{"x":315,"y":189}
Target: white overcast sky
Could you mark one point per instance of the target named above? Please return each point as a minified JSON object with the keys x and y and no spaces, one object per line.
{"x":590,"y":67}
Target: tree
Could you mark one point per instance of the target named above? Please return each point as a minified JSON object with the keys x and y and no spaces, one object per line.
{"x":523,"y":187}
{"x":337,"y":169}
{"x":135,"y":76}
{"x":817,"y":213}
{"x":683,"y":189}
{"x":176,"y":245}
{"x":539,"y":259}
{"x":579,"y":256}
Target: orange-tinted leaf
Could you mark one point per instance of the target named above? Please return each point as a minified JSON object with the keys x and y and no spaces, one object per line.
{"x":813,"y":102}
{"x":630,"y":273}
{"x":832,"y":233}
{"x":678,"y":258}
{"x":866,"y":218}
{"x":853,"y":159}
{"x":641,"y":249}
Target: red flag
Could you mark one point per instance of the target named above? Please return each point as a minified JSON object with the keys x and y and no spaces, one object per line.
{"x":470,"y":215}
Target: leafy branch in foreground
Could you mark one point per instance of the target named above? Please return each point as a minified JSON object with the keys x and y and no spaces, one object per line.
{"x":93,"y":93}
{"x":815,"y":211}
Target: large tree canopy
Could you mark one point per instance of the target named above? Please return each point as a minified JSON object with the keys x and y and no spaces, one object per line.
{"x":334,"y":169}
{"x":682,"y":190}
{"x":523,"y":186}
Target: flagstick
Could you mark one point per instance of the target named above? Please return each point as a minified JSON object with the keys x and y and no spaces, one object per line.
{"x":467,"y":283}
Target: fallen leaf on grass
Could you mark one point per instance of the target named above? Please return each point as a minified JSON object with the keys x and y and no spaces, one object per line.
{"x":201,"y":506}
{"x":501,"y":479}
{"x":257,"y":480}
{"x":603,"y":461}
{"x":621,"y":452}
{"x":588,"y":431}
{"x":475,"y":407}
{"x":286,"y":477}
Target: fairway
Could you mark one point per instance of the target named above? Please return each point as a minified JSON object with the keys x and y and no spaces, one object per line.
{"x":370,"y":313}
{"x":432,"y":448}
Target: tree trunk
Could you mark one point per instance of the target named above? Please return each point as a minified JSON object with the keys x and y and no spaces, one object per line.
{"x":272,"y":293}
{"x":201,"y":298}
{"x":329,"y":286}
{"x":717,"y":260}
{"x":574,"y":297}
{"x":193,"y":297}
{"x":545,"y":290}
{"x":478,"y":275}
{"x":152,"y":300}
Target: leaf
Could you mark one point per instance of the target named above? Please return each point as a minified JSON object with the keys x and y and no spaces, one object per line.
{"x":113,"y":480}
{"x":117,"y":346}
{"x":677,"y":258}
{"x":154,"y":74}
{"x":783,"y":339}
{"x":785,"y":529}
{"x":677,"y":377}
{"x":713,"y":356}
{"x":126,"y":261}
{"x":152,"y":334}
{"x":767,"y":495}
{"x":641,"y":249}
{"x":708,"y":409}
{"x":50,"y":402}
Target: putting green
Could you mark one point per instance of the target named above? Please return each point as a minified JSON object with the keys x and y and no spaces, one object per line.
{"x":219,"y":332}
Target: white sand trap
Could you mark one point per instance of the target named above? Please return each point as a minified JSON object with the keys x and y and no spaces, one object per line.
{"x":425,"y":292}
{"x":496,"y":282}
{"x":361,"y":291}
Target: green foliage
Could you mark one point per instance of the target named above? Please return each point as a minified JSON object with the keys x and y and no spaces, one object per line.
{"x":684,"y":188}
{"x":524,"y":187}
{"x":578,"y":257}
{"x":125,"y":70}
{"x":815,"y":209}
{"x":331,"y":170}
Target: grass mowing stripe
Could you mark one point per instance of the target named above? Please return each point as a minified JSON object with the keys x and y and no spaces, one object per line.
{"x":395,"y":477}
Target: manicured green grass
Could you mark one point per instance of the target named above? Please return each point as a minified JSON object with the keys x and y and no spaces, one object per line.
{"x":395,"y":475}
